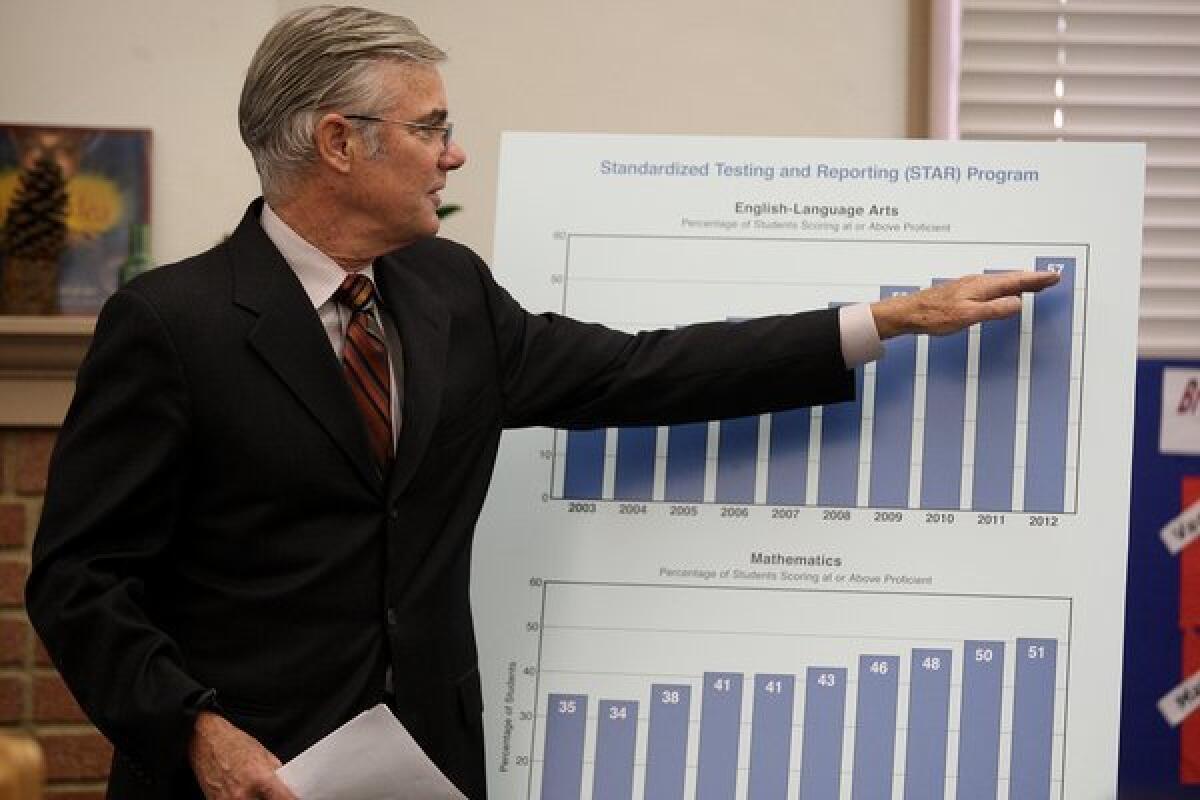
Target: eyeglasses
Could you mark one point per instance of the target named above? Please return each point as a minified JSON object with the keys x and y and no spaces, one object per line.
{"x":424,"y":129}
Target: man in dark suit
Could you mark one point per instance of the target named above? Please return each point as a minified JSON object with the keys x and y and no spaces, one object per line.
{"x":261,"y":505}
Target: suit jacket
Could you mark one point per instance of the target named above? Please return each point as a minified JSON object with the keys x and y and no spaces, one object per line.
{"x":213,"y":521}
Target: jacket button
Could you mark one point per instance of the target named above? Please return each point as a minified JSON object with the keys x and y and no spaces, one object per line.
{"x":393,"y":513}
{"x":391,"y":617}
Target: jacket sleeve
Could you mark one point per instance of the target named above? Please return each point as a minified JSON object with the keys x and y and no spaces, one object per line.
{"x":111,"y":509}
{"x":564,"y":373}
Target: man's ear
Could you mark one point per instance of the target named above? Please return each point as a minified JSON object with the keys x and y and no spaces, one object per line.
{"x":335,"y":142}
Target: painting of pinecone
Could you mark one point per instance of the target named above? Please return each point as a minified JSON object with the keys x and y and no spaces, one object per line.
{"x":32,"y":241}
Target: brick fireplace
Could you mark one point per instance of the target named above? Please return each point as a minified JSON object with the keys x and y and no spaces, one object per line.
{"x":38,"y":359}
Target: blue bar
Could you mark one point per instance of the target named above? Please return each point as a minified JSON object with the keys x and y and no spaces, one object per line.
{"x":979,"y":722}
{"x":1033,"y":720}
{"x":687,"y":447}
{"x":928,"y":715}
{"x":634,"y":478}
{"x":616,"y":735}
{"x":945,"y":413}
{"x":875,"y":727}
{"x":891,"y":434}
{"x":1050,"y":389}
{"x":562,"y":768}
{"x":841,"y":437}
{"x":666,"y":745}
{"x":737,"y":459}
{"x":787,"y":468}
{"x":720,"y":726}
{"x":771,"y":736}
{"x":584,"y":478}
{"x":824,"y":727}
{"x":996,"y":413}
{"x":841,"y":434}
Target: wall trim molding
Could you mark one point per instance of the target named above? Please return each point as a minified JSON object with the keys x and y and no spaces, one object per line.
{"x":38,"y":360}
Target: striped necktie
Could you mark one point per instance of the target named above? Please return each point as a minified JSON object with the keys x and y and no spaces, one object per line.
{"x":365,"y":359}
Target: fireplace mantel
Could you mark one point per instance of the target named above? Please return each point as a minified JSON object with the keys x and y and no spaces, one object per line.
{"x":38,"y":360}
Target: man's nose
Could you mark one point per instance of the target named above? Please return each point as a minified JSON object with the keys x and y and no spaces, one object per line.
{"x":453,"y":157}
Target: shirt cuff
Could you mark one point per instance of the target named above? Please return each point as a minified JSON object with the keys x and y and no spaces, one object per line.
{"x":860,"y":337}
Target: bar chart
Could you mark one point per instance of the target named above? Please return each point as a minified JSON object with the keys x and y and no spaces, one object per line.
{"x":984,"y":420}
{"x":828,"y":694}
{"x":909,"y":595}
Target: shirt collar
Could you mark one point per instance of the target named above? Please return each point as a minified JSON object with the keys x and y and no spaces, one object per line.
{"x":319,"y":274}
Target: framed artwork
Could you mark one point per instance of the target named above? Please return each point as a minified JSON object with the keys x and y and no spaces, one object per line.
{"x":106,"y":175}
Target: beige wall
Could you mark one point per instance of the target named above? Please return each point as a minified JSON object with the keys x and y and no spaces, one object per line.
{"x":174,"y":66}
{"x":761,"y":67}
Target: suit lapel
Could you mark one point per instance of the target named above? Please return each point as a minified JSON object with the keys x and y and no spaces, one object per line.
{"x":424,"y":327}
{"x":289,"y":337}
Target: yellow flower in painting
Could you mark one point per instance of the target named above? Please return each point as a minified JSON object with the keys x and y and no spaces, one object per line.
{"x":94,"y":202}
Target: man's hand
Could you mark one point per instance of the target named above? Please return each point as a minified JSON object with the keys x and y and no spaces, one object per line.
{"x":231,"y":765}
{"x":958,"y":304}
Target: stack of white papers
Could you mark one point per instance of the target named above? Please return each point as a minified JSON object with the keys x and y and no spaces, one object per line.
{"x":371,"y":757}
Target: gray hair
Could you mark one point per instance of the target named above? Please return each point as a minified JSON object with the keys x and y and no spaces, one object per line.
{"x":317,"y":59}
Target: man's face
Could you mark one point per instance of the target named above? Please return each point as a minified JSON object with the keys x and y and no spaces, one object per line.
{"x":398,"y":190}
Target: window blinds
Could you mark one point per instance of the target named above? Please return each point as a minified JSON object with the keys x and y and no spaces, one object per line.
{"x":1103,"y":70}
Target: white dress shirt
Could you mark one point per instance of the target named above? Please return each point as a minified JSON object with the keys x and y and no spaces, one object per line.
{"x":320,"y":276}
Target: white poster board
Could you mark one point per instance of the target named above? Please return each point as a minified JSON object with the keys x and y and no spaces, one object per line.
{"x":921,"y":589}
